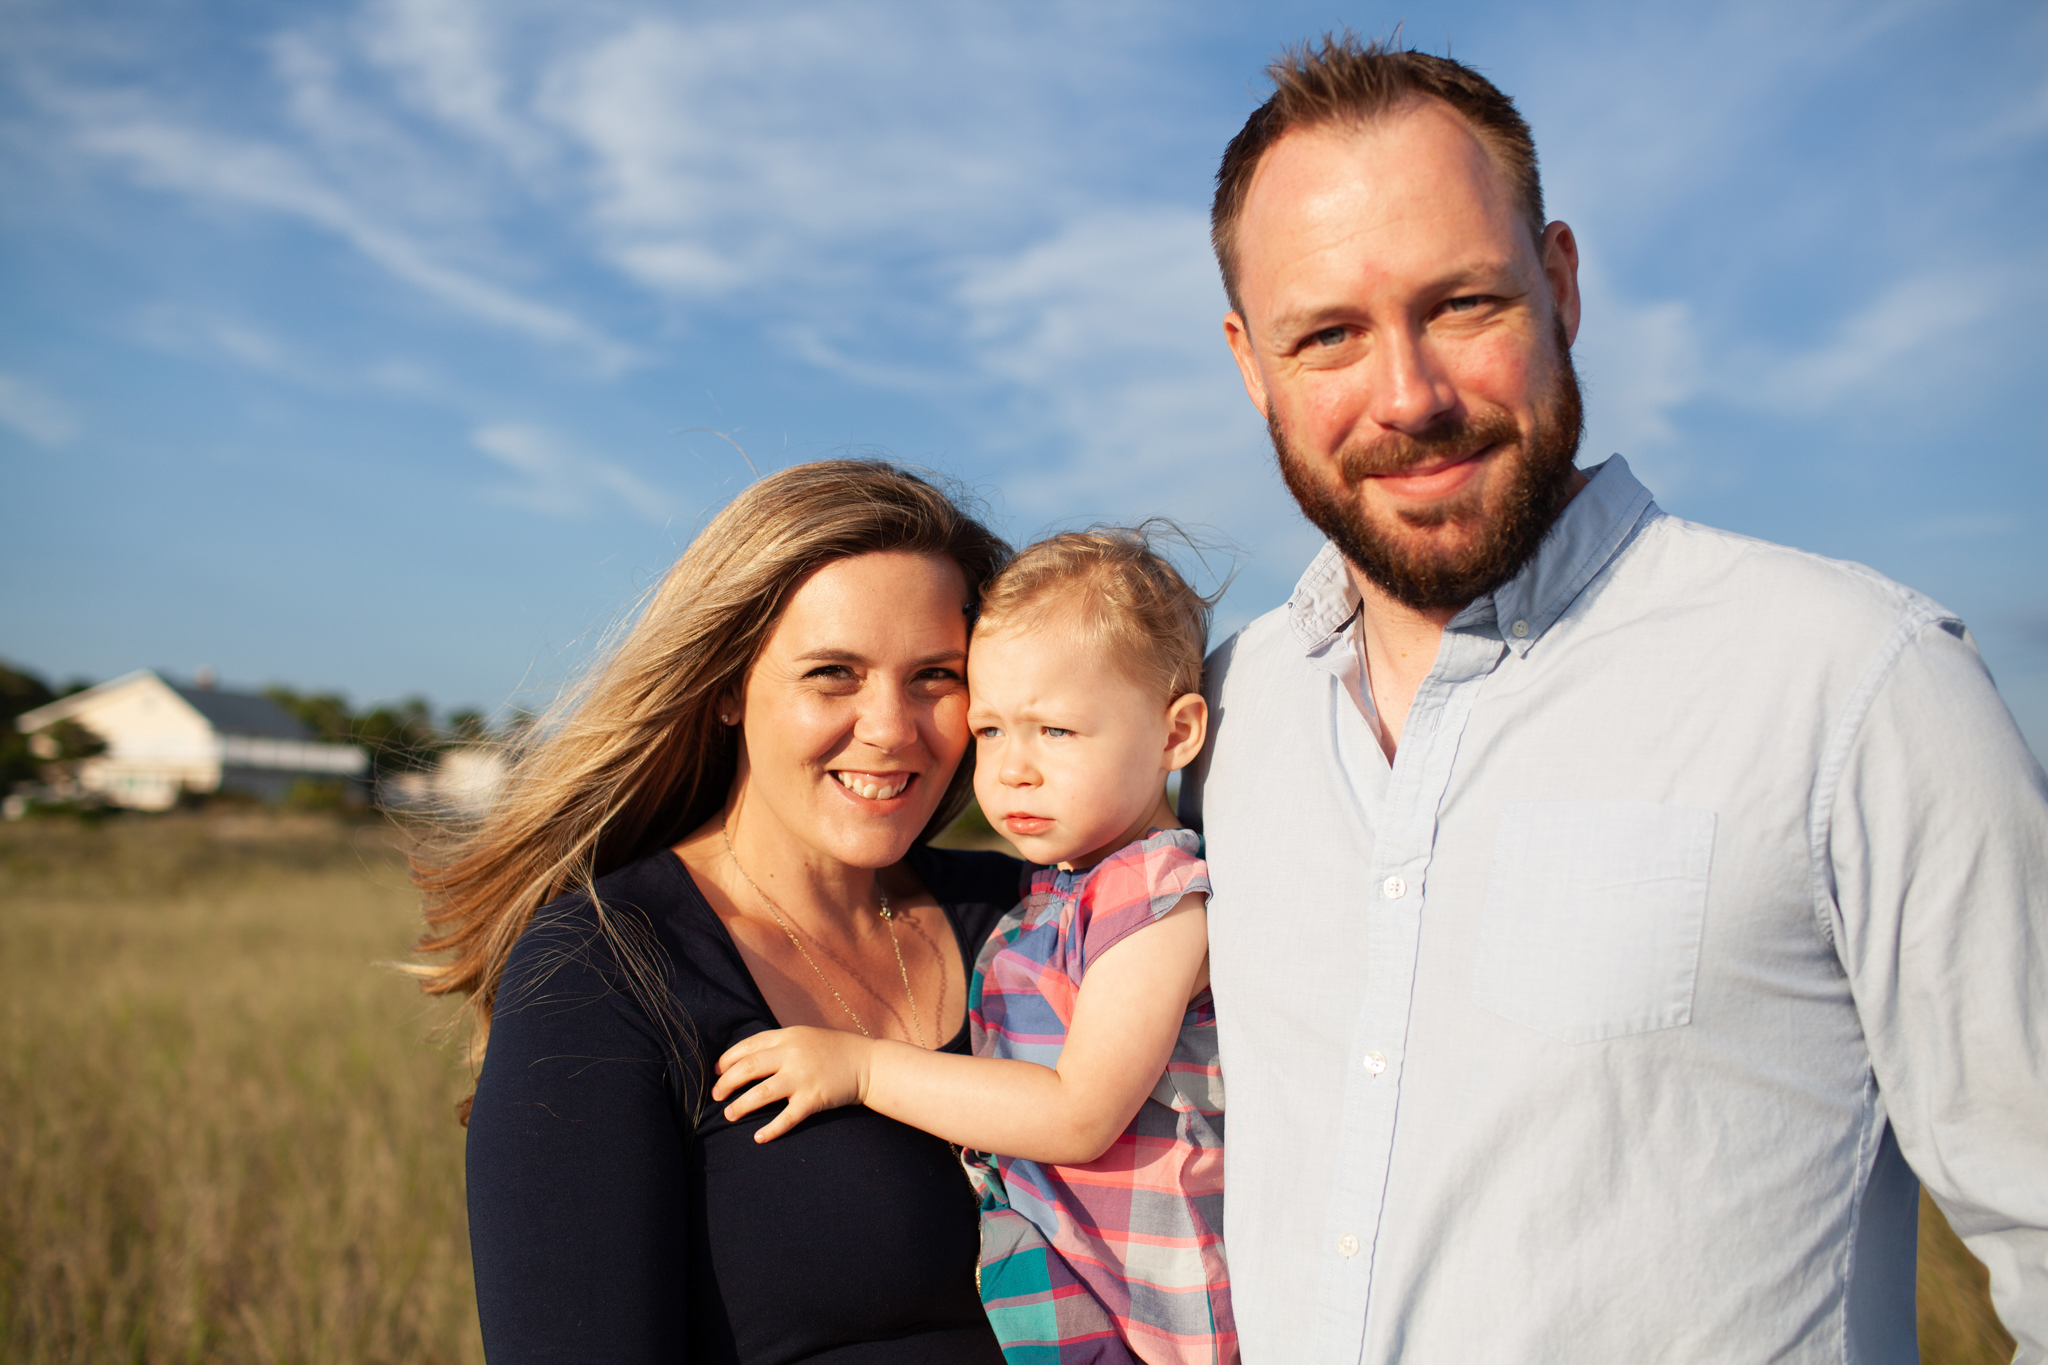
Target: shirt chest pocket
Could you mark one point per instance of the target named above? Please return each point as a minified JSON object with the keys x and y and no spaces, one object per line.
{"x":1591,"y":927}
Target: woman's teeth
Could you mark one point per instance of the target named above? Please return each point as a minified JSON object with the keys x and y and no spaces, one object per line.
{"x":872,"y":787}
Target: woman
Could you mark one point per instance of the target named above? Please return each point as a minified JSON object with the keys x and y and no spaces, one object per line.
{"x":726,"y":834}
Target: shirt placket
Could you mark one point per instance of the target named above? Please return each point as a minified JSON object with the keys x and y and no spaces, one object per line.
{"x":1404,"y":833}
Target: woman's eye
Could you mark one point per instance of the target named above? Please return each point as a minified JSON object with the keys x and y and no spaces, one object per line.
{"x":830,"y":672}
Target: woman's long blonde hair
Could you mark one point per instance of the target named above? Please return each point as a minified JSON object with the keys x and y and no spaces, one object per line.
{"x":634,"y":757}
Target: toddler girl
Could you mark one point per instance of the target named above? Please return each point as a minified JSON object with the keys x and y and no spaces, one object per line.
{"x":1095,"y":1083}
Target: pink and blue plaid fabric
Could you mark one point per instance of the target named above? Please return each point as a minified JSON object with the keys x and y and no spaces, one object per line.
{"x":1120,"y":1259}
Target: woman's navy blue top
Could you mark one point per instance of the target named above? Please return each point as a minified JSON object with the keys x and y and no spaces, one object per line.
{"x":616,"y":1218}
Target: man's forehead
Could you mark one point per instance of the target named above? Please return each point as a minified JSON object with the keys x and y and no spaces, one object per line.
{"x":1407,"y":150}
{"x":1415,"y":191}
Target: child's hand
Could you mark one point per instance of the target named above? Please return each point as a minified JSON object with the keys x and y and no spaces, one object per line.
{"x":812,"y":1068}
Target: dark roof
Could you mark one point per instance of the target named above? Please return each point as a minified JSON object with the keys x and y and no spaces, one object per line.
{"x":243,"y":713}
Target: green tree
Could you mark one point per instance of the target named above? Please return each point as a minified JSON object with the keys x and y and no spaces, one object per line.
{"x":400,"y":737}
{"x":326,"y":714}
{"x":20,"y":691}
{"x":68,"y":742}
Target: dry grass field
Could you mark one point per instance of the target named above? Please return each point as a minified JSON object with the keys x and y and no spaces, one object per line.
{"x":226,"y":1133}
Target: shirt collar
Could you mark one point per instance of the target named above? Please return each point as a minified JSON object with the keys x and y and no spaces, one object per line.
{"x":1587,"y":534}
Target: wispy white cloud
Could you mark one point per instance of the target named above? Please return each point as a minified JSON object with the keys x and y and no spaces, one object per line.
{"x":1877,"y":351}
{"x":35,"y":413}
{"x":447,"y":60}
{"x":1640,"y":363}
{"x":560,"y":481}
{"x":1104,"y":345}
{"x":736,"y":151}
{"x":1966,"y":525}
{"x":166,"y":153}
{"x":202,"y":333}
{"x":1685,"y":100}
{"x":1109,"y":335}
{"x":809,"y":342}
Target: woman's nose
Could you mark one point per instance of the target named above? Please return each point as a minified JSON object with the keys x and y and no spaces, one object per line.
{"x":887,"y":719}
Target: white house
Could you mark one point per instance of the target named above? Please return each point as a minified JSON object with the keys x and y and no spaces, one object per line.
{"x":163,"y":739}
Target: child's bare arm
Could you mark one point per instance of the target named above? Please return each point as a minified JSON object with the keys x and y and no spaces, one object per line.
{"x":1125,"y":1021}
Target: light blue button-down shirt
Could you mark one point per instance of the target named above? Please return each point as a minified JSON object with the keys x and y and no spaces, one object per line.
{"x":1707,"y":891}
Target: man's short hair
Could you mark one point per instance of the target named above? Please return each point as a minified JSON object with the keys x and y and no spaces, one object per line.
{"x":1341,"y":81}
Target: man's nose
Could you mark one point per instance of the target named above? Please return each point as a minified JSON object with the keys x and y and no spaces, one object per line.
{"x":1409,"y":389}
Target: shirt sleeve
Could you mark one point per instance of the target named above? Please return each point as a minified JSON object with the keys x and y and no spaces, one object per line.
{"x":1937,"y":854}
{"x":576,"y":1166}
{"x":1134,"y":887}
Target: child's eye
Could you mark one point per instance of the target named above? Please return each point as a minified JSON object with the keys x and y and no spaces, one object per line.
{"x":1054,"y":732}
{"x":988,"y":732}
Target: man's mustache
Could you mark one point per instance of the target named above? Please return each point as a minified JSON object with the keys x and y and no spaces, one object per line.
{"x":1447,"y":442}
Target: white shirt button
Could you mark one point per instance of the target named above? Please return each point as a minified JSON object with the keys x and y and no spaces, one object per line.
{"x":1520,"y":630}
{"x":1347,"y":1245}
{"x":1375,"y":1062}
{"x":1394,"y":888}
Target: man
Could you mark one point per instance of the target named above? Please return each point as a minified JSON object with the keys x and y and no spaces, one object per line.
{"x":1613,"y":915}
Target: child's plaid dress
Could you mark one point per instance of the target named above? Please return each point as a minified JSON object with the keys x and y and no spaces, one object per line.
{"x":1122,"y":1258}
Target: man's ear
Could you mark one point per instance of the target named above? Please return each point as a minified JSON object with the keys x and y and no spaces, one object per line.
{"x":1561,"y":269}
{"x":1239,"y":335}
{"x":1187,"y":725}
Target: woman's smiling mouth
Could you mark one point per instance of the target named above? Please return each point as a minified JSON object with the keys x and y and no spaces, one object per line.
{"x":875,"y":786}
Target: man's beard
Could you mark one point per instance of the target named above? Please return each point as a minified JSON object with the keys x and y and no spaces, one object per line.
{"x":1507,"y":535}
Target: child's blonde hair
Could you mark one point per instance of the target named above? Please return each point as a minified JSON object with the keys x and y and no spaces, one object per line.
{"x":1120,"y":596}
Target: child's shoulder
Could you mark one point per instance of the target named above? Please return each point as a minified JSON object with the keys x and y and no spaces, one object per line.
{"x":1155,"y":871}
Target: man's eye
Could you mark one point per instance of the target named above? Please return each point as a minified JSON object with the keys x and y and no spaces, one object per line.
{"x":1330,"y":336}
{"x":1464,"y":303}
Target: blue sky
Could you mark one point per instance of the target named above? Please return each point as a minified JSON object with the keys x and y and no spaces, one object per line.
{"x":396,"y":346}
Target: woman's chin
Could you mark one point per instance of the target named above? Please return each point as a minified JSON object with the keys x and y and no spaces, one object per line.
{"x":876,"y":838}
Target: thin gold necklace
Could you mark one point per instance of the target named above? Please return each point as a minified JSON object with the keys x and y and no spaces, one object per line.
{"x":888,"y":918}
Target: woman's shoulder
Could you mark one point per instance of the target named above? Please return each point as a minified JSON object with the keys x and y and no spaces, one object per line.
{"x":645,"y":949}
{"x":975,"y":888}
{"x":961,"y":877}
{"x":649,"y":909}
{"x":648,"y":889}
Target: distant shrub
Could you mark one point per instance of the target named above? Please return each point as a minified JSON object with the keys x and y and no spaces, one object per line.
{"x":316,"y":795}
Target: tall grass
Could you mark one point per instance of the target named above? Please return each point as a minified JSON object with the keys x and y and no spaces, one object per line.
{"x":226,"y":1136}
{"x":224,"y":1133}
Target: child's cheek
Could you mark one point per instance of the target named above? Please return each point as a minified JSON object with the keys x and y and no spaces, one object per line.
{"x":986,"y":787}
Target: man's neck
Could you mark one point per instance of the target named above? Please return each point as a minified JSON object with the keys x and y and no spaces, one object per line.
{"x":1401,"y":643}
{"x":1400,"y":648}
